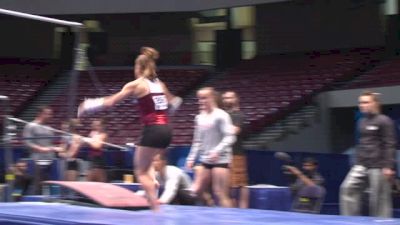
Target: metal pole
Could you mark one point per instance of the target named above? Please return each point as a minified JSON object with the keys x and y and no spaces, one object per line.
{"x":72,"y":91}
{"x":63,"y":132}
{"x":8,"y":158}
{"x":74,"y":74}
{"x":76,"y":27}
{"x":40,"y":18}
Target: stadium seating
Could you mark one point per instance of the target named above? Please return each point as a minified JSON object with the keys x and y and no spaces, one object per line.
{"x":271,"y":87}
{"x":385,"y":74}
{"x":22,"y":79}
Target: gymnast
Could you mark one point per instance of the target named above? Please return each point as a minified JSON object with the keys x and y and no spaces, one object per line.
{"x":154,"y":101}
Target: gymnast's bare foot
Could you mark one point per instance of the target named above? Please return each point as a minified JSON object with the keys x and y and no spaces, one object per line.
{"x":154,"y":204}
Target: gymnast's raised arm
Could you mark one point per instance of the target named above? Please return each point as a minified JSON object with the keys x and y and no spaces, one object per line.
{"x":97,"y":104}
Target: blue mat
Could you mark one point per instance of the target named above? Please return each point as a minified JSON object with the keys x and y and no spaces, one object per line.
{"x":60,"y":214}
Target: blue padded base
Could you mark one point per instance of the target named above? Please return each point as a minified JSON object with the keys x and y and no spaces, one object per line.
{"x":56,"y":213}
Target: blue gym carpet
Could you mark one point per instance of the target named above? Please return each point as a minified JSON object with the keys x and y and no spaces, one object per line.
{"x":57,"y":213}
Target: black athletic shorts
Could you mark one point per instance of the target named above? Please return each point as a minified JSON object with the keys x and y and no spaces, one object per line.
{"x":97,"y":162}
{"x":220,"y":165}
{"x":156,"y":136}
{"x":72,"y":164}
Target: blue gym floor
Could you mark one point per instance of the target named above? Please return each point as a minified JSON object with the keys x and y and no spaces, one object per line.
{"x":56,"y":213}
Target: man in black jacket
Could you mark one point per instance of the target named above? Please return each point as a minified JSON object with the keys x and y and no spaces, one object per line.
{"x":375,"y":160}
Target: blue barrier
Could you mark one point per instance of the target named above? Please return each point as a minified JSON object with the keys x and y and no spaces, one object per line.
{"x":263,"y":168}
{"x":270,"y":198}
{"x":333,"y":167}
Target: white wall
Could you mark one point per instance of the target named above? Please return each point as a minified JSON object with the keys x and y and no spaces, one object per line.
{"x":314,"y":138}
{"x":62,"y":7}
{"x":348,"y":98}
{"x":318,"y":136}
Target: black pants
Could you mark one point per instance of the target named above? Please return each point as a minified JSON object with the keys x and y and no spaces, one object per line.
{"x":41,"y":173}
{"x":184,"y":197}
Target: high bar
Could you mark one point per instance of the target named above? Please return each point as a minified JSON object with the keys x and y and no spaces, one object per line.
{"x":64,"y":132}
{"x":40,"y":18}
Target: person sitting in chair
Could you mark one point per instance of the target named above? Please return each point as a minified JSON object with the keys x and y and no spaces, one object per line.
{"x":307,"y":190}
{"x":22,"y":180}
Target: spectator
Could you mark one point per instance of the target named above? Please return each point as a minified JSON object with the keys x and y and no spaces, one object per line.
{"x":239,"y":162}
{"x":39,"y":139}
{"x":307,"y":190}
{"x":70,"y":145}
{"x":375,"y":161}
{"x":22,"y":180}
{"x":174,"y":182}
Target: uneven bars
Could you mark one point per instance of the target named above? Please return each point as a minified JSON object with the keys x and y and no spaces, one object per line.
{"x":64,"y":132}
{"x":40,"y":18}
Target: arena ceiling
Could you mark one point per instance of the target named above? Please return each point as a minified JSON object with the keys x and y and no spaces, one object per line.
{"x":64,"y":7}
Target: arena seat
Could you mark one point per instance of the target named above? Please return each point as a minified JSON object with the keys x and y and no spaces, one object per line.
{"x":271,"y":87}
{"x":385,"y":74}
{"x":22,"y":79}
